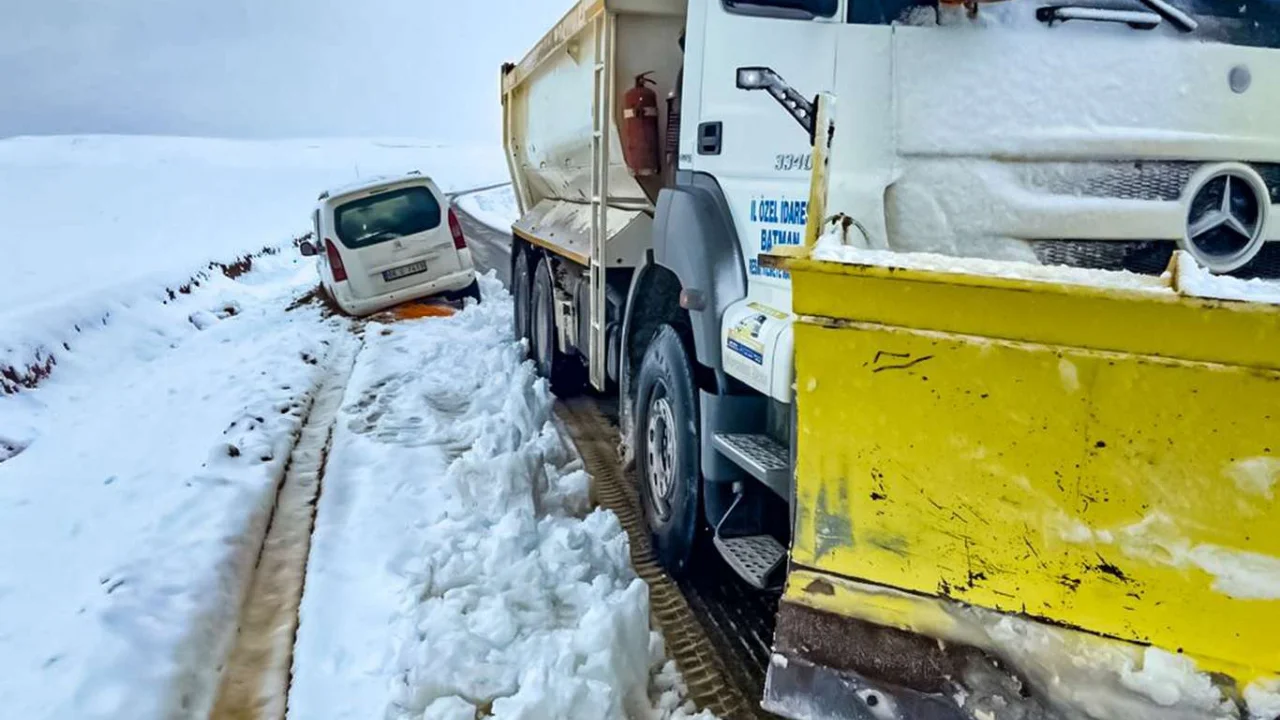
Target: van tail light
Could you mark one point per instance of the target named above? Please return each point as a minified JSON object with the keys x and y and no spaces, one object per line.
{"x":335,"y":261}
{"x":455,"y":227}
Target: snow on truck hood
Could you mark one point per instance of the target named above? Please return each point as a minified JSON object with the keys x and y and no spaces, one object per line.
{"x":1189,"y":279}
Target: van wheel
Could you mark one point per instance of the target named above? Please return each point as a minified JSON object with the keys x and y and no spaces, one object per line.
{"x":521,"y":289}
{"x":667,"y":449}
{"x":565,"y":373}
{"x":473,"y":290}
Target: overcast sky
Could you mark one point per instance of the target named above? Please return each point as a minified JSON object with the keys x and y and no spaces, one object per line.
{"x":263,"y":68}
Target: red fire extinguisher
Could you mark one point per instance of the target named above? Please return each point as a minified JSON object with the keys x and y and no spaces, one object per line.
{"x":640,"y":144}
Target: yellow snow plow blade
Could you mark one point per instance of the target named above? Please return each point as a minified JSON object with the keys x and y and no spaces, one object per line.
{"x":1026,"y":470}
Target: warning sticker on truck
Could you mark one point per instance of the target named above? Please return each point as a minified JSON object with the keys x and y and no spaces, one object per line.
{"x":771,"y":312}
{"x":744,"y":338}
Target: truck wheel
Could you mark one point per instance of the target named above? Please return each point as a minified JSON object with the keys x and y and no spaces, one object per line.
{"x":667,"y":451}
{"x":564,"y":372}
{"x":521,"y":288}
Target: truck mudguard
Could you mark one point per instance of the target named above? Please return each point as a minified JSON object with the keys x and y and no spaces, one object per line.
{"x":694,"y":237}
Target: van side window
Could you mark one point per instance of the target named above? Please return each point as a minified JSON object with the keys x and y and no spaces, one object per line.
{"x":794,"y":9}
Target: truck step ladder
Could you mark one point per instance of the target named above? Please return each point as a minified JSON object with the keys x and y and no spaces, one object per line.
{"x":755,"y":558}
{"x":602,"y":113}
{"x":764,"y":458}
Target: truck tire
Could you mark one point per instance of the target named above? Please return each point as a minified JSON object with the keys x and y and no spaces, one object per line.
{"x":521,"y":294}
{"x":565,"y":373}
{"x":667,"y":449}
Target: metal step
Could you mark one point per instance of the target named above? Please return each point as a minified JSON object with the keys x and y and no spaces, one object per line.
{"x":754,"y":558}
{"x":764,"y":458}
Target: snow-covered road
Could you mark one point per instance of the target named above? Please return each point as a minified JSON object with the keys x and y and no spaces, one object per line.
{"x":456,"y":562}
{"x":165,"y":438}
{"x":152,"y":459}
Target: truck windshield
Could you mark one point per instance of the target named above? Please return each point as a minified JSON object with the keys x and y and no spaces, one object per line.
{"x":387,"y":216}
{"x":1237,"y":22}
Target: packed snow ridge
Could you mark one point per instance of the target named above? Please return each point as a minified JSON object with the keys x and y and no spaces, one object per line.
{"x":496,"y":208}
{"x":456,"y":521}
{"x":132,"y":519}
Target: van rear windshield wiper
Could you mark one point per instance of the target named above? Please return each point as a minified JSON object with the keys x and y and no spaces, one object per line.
{"x":1160,"y":10}
{"x":378,"y":236}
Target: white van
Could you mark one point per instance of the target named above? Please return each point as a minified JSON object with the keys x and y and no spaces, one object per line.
{"x":389,"y":241}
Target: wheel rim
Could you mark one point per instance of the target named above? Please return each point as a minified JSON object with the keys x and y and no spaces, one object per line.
{"x":660,"y":444}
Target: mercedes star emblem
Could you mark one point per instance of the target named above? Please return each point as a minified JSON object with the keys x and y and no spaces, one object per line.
{"x":1225,"y":220}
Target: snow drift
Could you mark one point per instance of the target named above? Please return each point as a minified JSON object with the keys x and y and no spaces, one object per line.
{"x":496,"y":208}
{"x":133,"y":514}
{"x":456,"y":520}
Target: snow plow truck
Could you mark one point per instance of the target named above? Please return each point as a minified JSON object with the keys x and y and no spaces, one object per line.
{"x":954,"y":318}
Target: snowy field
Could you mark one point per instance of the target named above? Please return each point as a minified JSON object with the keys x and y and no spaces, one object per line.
{"x":96,"y":222}
{"x":135,"y":512}
{"x":496,"y":208}
{"x":457,"y":563}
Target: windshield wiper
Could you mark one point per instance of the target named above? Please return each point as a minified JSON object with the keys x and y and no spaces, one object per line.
{"x":1176,"y":17}
{"x":380,"y":235}
{"x":1136,"y":19}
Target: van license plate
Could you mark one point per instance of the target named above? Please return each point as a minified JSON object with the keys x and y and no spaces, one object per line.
{"x":404,"y":271}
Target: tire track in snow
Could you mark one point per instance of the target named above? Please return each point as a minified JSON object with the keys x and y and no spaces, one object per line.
{"x":490,"y":247}
{"x":713,"y":681}
{"x":255,"y":681}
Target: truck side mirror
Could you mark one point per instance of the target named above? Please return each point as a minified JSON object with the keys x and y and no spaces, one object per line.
{"x":307,"y":249}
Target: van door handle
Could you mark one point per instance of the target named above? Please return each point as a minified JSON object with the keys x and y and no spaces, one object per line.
{"x":710,"y":135}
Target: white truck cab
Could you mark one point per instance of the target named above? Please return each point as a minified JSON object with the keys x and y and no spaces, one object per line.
{"x":1081,"y":133}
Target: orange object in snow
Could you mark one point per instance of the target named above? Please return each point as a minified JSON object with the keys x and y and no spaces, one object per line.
{"x":414,"y":311}
{"x":640,"y":143}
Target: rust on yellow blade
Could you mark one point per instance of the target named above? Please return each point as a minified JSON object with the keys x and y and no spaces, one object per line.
{"x":1096,"y":458}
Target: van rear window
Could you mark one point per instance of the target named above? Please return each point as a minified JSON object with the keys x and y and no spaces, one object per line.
{"x":386,"y":216}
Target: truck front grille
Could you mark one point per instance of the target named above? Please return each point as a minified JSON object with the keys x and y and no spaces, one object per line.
{"x":1136,"y":181}
{"x":1150,"y":181}
{"x":1145,"y":257}
{"x":1163,"y":181}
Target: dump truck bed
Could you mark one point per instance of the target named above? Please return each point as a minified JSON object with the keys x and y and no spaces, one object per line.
{"x":561,"y":127}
